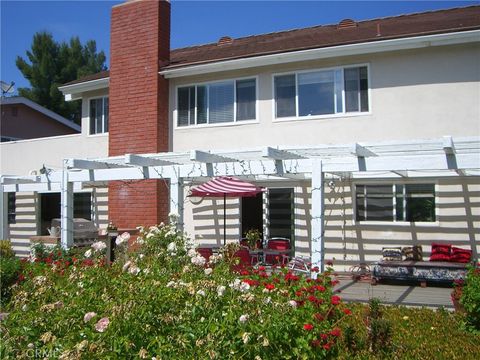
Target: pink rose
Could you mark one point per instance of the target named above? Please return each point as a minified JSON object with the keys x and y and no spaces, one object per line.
{"x":88,"y":316}
{"x":102,"y":324}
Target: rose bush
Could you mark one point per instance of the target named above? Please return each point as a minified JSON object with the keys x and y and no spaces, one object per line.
{"x":162,"y":301}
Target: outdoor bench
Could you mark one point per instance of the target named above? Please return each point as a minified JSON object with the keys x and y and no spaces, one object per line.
{"x":421,"y":271}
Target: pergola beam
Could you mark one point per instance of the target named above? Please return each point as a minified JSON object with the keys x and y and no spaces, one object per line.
{"x":206,"y":157}
{"x":138,"y":160}
{"x":90,"y":164}
{"x":277,"y":154}
{"x":450,"y":153}
{"x":361,"y":151}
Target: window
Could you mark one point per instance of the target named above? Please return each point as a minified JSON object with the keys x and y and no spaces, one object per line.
{"x":99,"y":115}
{"x":280,"y":213}
{"x":12,"y":208}
{"x":324,"y":92}
{"x":216,"y":103}
{"x":411,"y":202}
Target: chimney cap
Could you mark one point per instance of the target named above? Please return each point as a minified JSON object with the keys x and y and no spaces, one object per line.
{"x":224,"y":40}
{"x":346,"y":23}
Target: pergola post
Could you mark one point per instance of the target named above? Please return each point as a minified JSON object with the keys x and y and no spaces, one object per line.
{"x":317,"y":216}
{"x":3,"y":214}
{"x":176,"y":200}
{"x":66,"y":210}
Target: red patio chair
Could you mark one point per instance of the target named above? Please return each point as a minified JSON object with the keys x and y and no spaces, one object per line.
{"x":278,"y":244}
{"x":205,"y":252}
{"x":244,"y":259}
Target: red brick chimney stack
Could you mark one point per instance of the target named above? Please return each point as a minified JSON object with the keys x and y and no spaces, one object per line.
{"x":138,"y":114}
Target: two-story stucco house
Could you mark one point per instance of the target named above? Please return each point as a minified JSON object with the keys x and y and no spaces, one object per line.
{"x":364,"y":135}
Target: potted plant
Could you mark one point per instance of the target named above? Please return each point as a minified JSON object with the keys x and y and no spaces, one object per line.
{"x":253,"y":238}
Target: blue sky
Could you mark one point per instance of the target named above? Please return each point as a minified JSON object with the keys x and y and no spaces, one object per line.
{"x":193,"y":22}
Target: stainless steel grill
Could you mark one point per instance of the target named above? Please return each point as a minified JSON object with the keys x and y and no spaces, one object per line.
{"x":84,"y":231}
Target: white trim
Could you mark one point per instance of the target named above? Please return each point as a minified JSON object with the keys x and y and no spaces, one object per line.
{"x":326,"y":52}
{"x":207,"y":83}
{"x":27,"y":102}
{"x":69,"y":91}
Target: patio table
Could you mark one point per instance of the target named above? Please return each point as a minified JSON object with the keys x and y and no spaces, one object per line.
{"x":256,"y":256}
{"x":284,"y":255}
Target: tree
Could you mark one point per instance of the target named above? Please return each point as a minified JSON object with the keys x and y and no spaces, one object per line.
{"x":52,"y":64}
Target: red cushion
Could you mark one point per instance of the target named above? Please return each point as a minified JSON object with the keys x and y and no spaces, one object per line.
{"x":441,"y":248}
{"x":439,"y":257}
{"x":460,"y":258}
{"x":278,"y":244}
{"x":456,"y":250}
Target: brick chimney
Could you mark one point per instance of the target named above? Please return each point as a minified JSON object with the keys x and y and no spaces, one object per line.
{"x":138,"y":114}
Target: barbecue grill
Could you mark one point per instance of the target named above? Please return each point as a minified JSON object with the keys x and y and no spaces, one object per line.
{"x":84,"y":231}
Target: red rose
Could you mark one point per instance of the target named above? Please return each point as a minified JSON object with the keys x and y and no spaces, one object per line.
{"x":261,"y":268}
{"x":335,"y":332}
{"x":324,"y":336}
{"x":308,"y":327}
{"x":327,"y":346}
{"x":347,"y":311}
{"x":269,"y":286}
{"x":312,"y":299}
{"x":335,"y":300}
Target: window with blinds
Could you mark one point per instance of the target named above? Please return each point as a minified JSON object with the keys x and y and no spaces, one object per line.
{"x":216,"y":103}
{"x":409,"y":202}
{"x":322,"y":92}
{"x":99,"y":115}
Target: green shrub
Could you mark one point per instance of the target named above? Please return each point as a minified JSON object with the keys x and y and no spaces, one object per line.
{"x":10,"y":271}
{"x":471,"y":300}
{"x":166,"y":301}
{"x":6,"y":250}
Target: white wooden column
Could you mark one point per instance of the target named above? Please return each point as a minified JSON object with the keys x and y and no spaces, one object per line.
{"x":176,"y":200}
{"x":66,"y":210}
{"x":317,"y":215}
{"x":4,"y":233}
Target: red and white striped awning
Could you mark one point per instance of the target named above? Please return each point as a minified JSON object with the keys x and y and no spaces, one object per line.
{"x":226,"y":186}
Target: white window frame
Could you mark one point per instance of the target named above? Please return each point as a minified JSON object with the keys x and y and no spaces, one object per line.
{"x":394,"y":221}
{"x":235,"y":122}
{"x":325,"y":116}
{"x":103,"y":115}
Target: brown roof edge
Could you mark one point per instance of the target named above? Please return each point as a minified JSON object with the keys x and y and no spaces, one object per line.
{"x":97,"y":76}
{"x":321,"y":36}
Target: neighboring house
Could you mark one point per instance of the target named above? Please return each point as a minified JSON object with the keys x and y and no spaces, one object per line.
{"x":23,"y":119}
{"x":367,"y":103}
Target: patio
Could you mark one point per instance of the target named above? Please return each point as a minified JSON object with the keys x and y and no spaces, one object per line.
{"x":394,"y":293}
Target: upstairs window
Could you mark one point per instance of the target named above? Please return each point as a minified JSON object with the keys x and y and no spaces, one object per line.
{"x":411,"y":202}
{"x":216,"y":103}
{"x":323,"y":92}
{"x":99,"y":115}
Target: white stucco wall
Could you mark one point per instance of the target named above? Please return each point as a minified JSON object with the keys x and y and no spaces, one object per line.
{"x":422,"y":93}
{"x":347,"y":241}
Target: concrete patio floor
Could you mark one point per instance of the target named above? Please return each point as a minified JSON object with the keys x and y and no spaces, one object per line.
{"x":406,"y":294}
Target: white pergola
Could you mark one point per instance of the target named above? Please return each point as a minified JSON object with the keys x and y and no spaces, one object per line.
{"x":432,"y":158}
